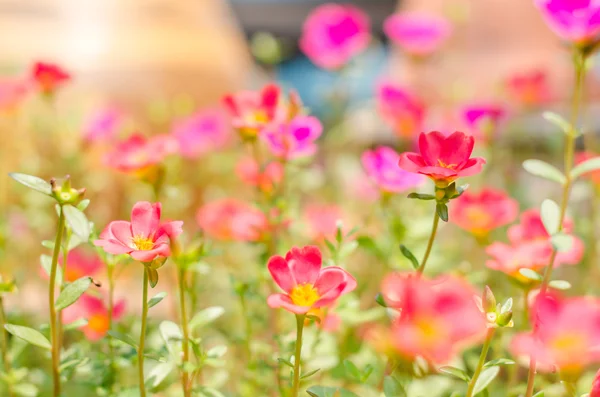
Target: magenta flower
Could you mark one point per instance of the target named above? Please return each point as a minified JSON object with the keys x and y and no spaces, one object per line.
{"x":483,"y":118}
{"x":443,"y":158}
{"x":251,"y":111}
{"x":93,"y":309}
{"x":103,"y":125}
{"x":201,"y":133}
{"x":333,"y":34}
{"x":305,"y":283}
{"x":417,"y":33}
{"x":137,"y":153}
{"x":577,"y":21}
{"x":12,"y":92}
{"x":381,"y":165}
{"x":400,"y":108}
{"x":144,"y":238}
{"x":294,"y":139}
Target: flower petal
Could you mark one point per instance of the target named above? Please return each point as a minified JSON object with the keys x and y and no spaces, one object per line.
{"x":150,"y":255}
{"x":331,"y":277}
{"x":120,"y":231}
{"x":431,"y":146}
{"x":171,"y":229}
{"x":145,"y":218}
{"x":281,"y":273}
{"x":304,"y":264}
{"x":472,"y":167}
{"x":284,"y":301}
{"x":411,"y":162}
{"x":456,"y":148}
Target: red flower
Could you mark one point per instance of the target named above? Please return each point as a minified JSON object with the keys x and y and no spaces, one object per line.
{"x":443,"y":158}
{"x":595,"y":392}
{"x":305,"y":283}
{"x":49,"y":77}
{"x":144,"y":238}
{"x":96,"y":313}
{"x":530,"y":88}
{"x":80,"y":264}
{"x":265,"y":179}
{"x":401,"y":109}
{"x":137,"y":153}
{"x":480,"y":213}
{"x":251,"y":111}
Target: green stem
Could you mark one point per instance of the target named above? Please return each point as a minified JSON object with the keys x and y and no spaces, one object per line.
{"x":111,"y":307}
{"x":247,"y":324}
{"x":4,"y":341}
{"x":436,"y":220}
{"x":482,"y":357}
{"x":297,"y":354}
{"x":570,"y":388}
{"x":67,"y":238}
{"x":143,"y":335}
{"x":580,"y":60}
{"x":185,"y":346}
{"x":54,"y":336}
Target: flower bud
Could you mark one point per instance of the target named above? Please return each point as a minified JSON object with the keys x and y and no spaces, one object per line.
{"x":64,"y":193}
{"x":505,"y":319}
{"x":488,"y":300}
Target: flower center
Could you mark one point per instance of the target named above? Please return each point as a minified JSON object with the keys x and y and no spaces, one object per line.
{"x":98,"y":323}
{"x":304,"y":295}
{"x":142,"y":243}
{"x":444,"y":165}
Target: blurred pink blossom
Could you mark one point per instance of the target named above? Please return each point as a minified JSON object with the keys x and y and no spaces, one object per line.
{"x":49,"y":77}
{"x":294,"y":139}
{"x":577,"y":21}
{"x":381,"y":165}
{"x":103,"y":124}
{"x":483,"y":118}
{"x":232,"y":220}
{"x":251,"y":111}
{"x":80,"y":264}
{"x":417,"y":33}
{"x":529,"y":88}
{"x":201,"y":133}
{"x":94,"y":310}
{"x":401,"y":109}
{"x":13,"y":91}
{"x":322,"y":220}
{"x":137,"y":153}
{"x":265,"y":179}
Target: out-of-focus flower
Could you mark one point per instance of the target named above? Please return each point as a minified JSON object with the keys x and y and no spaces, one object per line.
{"x":103,"y":125}
{"x":322,"y":220}
{"x":92,"y":308}
{"x":443,"y":158}
{"x":49,"y":77}
{"x":80,"y":264}
{"x":251,"y":111}
{"x":137,"y":153}
{"x":201,"y":133}
{"x":333,"y":34}
{"x":266,"y":179}
{"x":595,"y":392}
{"x":567,"y":335}
{"x":437,"y":317}
{"x":12,"y":93}
{"x":594,"y":176}
{"x":417,"y":33}
{"x":480,"y":213}
{"x":530,"y":88}
{"x":305,"y":284}
{"x":293,"y":139}
{"x":144,"y":238}
{"x":530,"y":247}
{"x":381,"y":165}
{"x":483,"y":119}
{"x":577,"y":21}
{"x":401,"y":109}
{"x":232,"y":220}
{"x":328,"y":321}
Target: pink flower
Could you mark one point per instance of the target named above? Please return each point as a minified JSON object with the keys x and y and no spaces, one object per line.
{"x":400,"y":108}
{"x":137,"y":153}
{"x":12,"y":92}
{"x":80,"y":264}
{"x":251,"y":111}
{"x":595,"y":392}
{"x":483,"y":118}
{"x":305,"y":284}
{"x":103,"y":125}
{"x":443,"y":158}
{"x":266,"y":179}
{"x":144,"y":238}
{"x":381,"y":165}
{"x":49,"y":77}
{"x":417,"y":33}
{"x":201,"y":133}
{"x":333,"y":34}
{"x":530,"y":247}
{"x":437,"y":317}
{"x":530,"y":88}
{"x":231,"y":219}
{"x":294,"y":139}
{"x":567,"y":335}
{"x":594,"y":176}
{"x":95,"y":312}
{"x":322,"y":220}
{"x":480,"y":213}
{"x":577,"y":21}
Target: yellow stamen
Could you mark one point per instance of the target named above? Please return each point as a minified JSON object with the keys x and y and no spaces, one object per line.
{"x":304,"y":295}
{"x":98,"y":323}
{"x":444,"y":165}
{"x":142,"y":243}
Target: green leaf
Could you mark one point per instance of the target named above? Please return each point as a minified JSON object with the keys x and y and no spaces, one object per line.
{"x":158,"y":373}
{"x":285,"y":362}
{"x":558,"y":121}
{"x":210,"y":392}
{"x":544,"y":170}
{"x":498,"y":361}
{"x":485,"y":378}
{"x":506,"y":306}
{"x":206,"y":316}
{"x":25,"y":390}
{"x":72,"y":292}
{"x":589,"y":165}
{"x":152,"y":277}
{"x":541,"y":394}
{"x":46,"y":262}
{"x":352,"y":370}
{"x":217,"y":351}
{"x":456,"y":372}
{"x":348,"y":248}
{"x":562,"y":242}
{"x":124,"y":338}
{"x":442,"y":211}
{"x":83,"y":204}
{"x":324,"y":391}
{"x":370,"y":245}
{"x":156,"y":299}
{"x":82,"y":322}
{"x":530,"y":274}
{"x":29,"y":335}
{"x":380,"y":300}
{"x":409,"y":255}
{"x":170,"y":331}
{"x":77,"y":221}
{"x":550,"y":213}
{"x":559,"y":284}
{"x":392,"y":388}
{"x":309,"y":374}
{"x":32,"y":182}
{"x":421,"y":196}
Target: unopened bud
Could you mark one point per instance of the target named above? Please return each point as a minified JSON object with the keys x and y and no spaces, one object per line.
{"x":505,"y":319}
{"x":488,"y":300}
